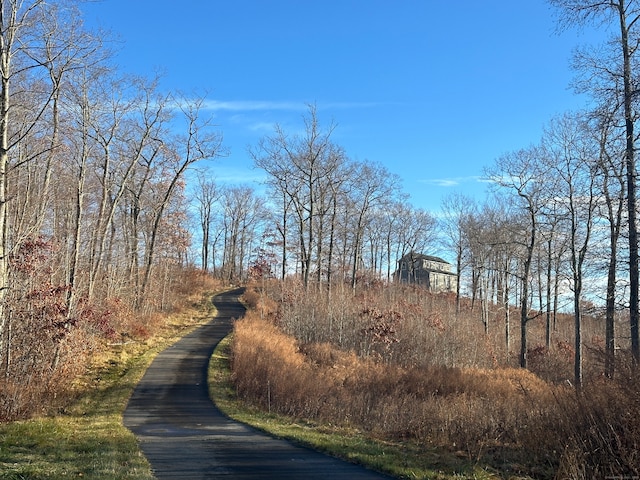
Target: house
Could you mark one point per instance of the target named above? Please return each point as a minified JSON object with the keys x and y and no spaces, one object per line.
{"x":431,"y":272}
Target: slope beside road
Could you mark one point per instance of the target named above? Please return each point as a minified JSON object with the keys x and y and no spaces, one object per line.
{"x":183,"y":434}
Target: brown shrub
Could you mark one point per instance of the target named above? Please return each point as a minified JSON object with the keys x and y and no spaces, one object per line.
{"x":190,"y":281}
{"x":468,"y":408}
{"x":251,"y":297}
{"x":40,"y":376}
{"x":441,"y":380}
{"x":48,"y":350}
{"x":256,"y":299}
{"x":270,"y":370}
{"x":598,"y":430}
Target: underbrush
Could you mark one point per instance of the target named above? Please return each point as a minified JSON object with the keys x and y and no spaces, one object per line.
{"x":408,"y":326}
{"x":83,"y":437}
{"x":509,"y":419}
{"x":48,"y":356}
{"x":401,"y":459}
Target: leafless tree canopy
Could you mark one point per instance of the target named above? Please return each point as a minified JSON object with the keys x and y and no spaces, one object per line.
{"x":92,"y":194}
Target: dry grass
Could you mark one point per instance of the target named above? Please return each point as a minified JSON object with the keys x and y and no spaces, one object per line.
{"x":469,"y":410}
{"x":371,"y":364}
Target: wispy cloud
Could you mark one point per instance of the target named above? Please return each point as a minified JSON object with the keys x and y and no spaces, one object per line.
{"x":251,"y":105}
{"x":442,"y":182}
{"x":261,"y":127}
{"x":267,"y":105}
{"x":346,"y":105}
{"x":452,"y":181}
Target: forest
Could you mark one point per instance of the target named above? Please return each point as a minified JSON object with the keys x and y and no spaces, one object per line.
{"x":93,"y":205}
{"x":105,"y":215}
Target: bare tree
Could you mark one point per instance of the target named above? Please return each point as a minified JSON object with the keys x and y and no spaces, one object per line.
{"x":391,"y":224}
{"x":206,"y":197}
{"x":617,"y":86}
{"x":522,"y":173}
{"x":243,"y":216}
{"x":553,"y":246}
{"x":198,"y":143}
{"x":489,"y":239}
{"x":372,"y":188}
{"x":612,"y":186}
{"x":126,"y":129}
{"x":572,"y":164}
{"x":457,"y":209}
{"x":39,"y":43}
{"x":302,"y":170}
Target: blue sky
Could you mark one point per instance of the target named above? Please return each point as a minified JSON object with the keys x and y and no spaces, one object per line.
{"x":434,"y":90}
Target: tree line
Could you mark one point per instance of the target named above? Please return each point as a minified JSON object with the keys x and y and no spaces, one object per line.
{"x":326,"y":218}
{"x":563,"y":221}
{"x":93,"y":208}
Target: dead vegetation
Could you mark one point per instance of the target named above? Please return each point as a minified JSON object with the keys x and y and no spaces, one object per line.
{"x":49,"y":356}
{"x":400,"y":365}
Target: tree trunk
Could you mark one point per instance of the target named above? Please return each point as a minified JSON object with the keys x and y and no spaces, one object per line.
{"x":6,"y":45}
{"x":548,"y":294}
{"x":629,"y":93}
{"x":4,"y":160}
{"x":77,"y":217}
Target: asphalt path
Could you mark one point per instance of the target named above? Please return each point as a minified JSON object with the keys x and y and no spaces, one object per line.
{"x":183,"y":434}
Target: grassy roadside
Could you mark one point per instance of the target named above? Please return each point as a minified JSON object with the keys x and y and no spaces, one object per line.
{"x":88,"y":439}
{"x":401,"y":460}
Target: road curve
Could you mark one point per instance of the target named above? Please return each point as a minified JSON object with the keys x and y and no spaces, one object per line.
{"x":183,"y":434}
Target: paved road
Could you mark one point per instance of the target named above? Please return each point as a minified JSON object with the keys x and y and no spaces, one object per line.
{"x":185,"y":436}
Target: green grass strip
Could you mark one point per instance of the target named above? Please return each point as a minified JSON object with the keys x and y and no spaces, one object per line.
{"x":88,"y":442}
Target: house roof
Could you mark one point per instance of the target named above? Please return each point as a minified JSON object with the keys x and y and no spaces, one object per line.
{"x":421,"y":256}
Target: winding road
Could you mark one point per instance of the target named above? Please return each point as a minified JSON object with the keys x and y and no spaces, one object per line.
{"x":184,"y":436}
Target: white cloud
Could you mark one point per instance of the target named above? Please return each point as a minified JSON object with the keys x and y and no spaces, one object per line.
{"x":265,"y":105}
{"x":251,"y":105}
{"x":443,"y":182}
{"x":261,"y":127}
{"x":452,"y":181}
